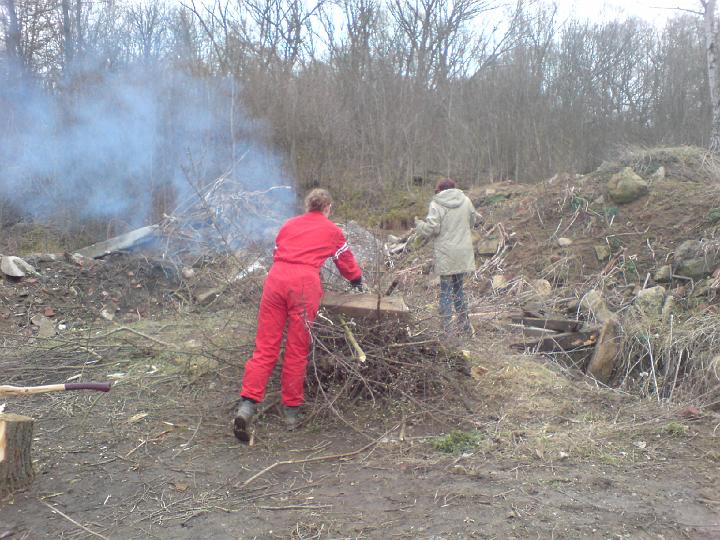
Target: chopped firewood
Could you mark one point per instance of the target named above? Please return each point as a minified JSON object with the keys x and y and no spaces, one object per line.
{"x":559,"y":325}
{"x":366,"y":305}
{"x":15,"y":443}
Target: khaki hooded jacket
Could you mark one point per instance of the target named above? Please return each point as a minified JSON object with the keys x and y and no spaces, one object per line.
{"x":449,"y":223}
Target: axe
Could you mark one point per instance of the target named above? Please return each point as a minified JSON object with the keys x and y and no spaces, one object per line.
{"x":8,"y":390}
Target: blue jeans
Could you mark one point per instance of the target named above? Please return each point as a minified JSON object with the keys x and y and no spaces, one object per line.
{"x":452,"y":294}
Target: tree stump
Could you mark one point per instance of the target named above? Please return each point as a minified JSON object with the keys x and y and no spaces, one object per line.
{"x":15,"y":444}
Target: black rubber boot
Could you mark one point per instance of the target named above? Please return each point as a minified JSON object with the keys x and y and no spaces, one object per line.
{"x":292,"y":417}
{"x":243,"y":418}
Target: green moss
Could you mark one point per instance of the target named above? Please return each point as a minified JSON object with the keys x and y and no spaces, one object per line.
{"x":457,"y":442}
{"x":674,"y":429}
{"x":713,"y":215}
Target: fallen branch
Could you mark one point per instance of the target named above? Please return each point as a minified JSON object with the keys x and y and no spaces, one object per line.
{"x":71,"y":520}
{"x":319,"y":458}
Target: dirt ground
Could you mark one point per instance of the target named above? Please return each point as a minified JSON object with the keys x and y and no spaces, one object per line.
{"x":544,"y":455}
{"x":534,"y":449}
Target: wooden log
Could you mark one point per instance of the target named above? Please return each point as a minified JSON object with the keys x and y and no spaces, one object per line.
{"x":15,"y":444}
{"x":559,"y":325}
{"x":370,"y":306}
{"x":607,"y":351}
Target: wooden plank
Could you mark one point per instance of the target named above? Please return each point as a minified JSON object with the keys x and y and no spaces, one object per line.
{"x":532,"y":332}
{"x":366,"y":305}
{"x":559,"y":325}
{"x":562,"y":342}
{"x":118,"y":243}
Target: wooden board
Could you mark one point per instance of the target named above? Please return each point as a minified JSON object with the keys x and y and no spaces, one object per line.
{"x":562,"y":342}
{"x":365,"y":305}
{"x":15,"y":461}
{"x":559,"y":325}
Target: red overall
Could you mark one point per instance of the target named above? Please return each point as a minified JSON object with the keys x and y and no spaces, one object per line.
{"x":291,"y":295}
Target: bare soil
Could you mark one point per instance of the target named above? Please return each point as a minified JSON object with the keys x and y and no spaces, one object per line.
{"x":551,"y":456}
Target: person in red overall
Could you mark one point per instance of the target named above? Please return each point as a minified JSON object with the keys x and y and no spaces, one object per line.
{"x":291,"y":296}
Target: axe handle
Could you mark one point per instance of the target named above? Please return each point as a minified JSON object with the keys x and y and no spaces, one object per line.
{"x":8,"y":390}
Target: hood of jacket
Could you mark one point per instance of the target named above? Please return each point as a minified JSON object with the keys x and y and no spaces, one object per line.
{"x":450,"y":198}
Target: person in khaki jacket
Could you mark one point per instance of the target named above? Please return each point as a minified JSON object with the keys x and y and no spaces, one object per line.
{"x":449,"y":223}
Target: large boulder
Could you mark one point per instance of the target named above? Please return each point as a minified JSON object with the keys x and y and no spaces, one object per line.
{"x":626,"y":186}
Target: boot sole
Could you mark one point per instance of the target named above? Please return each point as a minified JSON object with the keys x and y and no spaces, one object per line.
{"x":240,"y":429}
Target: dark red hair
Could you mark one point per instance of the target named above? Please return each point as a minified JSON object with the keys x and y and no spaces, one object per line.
{"x":445,"y":183}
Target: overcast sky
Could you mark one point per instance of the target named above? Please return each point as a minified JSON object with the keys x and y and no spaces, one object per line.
{"x":653,"y":10}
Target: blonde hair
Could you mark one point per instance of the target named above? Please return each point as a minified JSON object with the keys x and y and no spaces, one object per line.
{"x":317,"y":200}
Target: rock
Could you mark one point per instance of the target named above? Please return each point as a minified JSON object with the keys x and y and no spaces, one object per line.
{"x":650,"y":301}
{"x":542,"y":287}
{"x":107,"y":314}
{"x":669,"y":308}
{"x":695,"y":269}
{"x":487,"y":247}
{"x":607,"y":350}
{"x":602,"y":252}
{"x":46,"y":328}
{"x":187,"y":272}
{"x":696,"y":259}
{"x":663,"y":274}
{"x":626,"y":186}
{"x":659,"y":174}
{"x":564,"y":242}
{"x":593,"y":304}
{"x":499,"y":282}
{"x":15,"y":267}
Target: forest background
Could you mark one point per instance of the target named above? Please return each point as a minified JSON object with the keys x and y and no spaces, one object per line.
{"x":111,"y":111}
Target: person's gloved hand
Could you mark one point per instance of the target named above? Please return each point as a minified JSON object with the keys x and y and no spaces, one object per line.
{"x":359,"y":286}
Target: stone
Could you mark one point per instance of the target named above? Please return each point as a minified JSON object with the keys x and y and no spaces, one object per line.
{"x":487,"y":247}
{"x":564,"y":242}
{"x":593,"y":304}
{"x":15,"y":267}
{"x":602,"y":252}
{"x":499,"y":282}
{"x":650,"y":301}
{"x":542,"y":287}
{"x":46,"y":328}
{"x":696,"y":259}
{"x":187,"y":272}
{"x":663,"y":274}
{"x":669,"y":308}
{"x":696,"y":269}
{"x":607,"y":351}
{"x":659,"y":174}
{"x":626,"y":186}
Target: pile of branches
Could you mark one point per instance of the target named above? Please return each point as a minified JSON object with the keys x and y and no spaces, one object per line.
{"x":380,"y":360}
{"x":224,"y":216}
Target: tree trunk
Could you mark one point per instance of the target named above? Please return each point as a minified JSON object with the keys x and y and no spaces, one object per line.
{"x":712,"y":70}
{"x":13,"y":38}
{"x":15,"y":443}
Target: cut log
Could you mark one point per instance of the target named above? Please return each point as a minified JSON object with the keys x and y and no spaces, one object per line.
{"x":606,"y":353}
{"x":562,"y":342}
{"x":15,"y":443}
{"x":369,"y":306}
{"x":559,"y":325}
